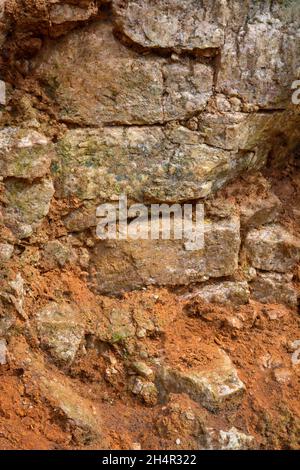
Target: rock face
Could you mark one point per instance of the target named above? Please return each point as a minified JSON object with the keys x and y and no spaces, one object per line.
{"x":51,"y":17}
{"x":3,"y":352}
{"x":167,"y":103}
{"x":26,"y":204}
{"x":235,"y":440}
{"x":78,"y":414}
{"x":6,"y":251}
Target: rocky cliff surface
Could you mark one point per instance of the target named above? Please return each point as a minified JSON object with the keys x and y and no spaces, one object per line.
{"x":167,"y":102}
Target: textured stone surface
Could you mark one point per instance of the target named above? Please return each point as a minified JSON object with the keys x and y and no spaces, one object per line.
{"x":249,"y":35}
{"x":77,"y":414}
{"x":6,"y":251}
{"x":56,"y":255}
{"x":26,"y":204}
{"x":165,"y":101}
{"x":120,"y":85}
{"x":232,"y":130}
{"x":49,"y":17}
{"x":274,"y":288}
{"x":215,"y":387}
{"x":118,"y":266}
{"x":24,"y":153}
{"x":235,"y":440}
{"x":272,"y":248}
{"x":174,"y":25}
{"x":224,"y":292}
{"x":3,"y":352}
{"x":259,"y":211}
{"x":60,"y":329}
{"x":12,"y":294}
{"x":62,"y":12}
{"x":261,"y":33}
{"x":146,"y":163}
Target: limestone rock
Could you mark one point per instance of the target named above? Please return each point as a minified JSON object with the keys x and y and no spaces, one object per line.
{"x":50,"y":17}
{"x":274,"y":288}
{"x":24,"y":153}
{"x":224,"y":292}
{"x":118,"y":265}
{"x":145,"y":163}
{"x":249,"y":35}
{"x":26,"y":205}
{"x":172,"y":24}
{"x":142,"y":369}
{"x":121,"y":322}
{"x":76,"y":413}
{"x":272,"y":248}
{"x":12,"y":295}
{"x":120,"y":85}
{"x":82,"y":218}
{"x":146,"y":390}
{"x":6,"y":251}
{"x":3,"y":352}
{"x":63,"y":12}
{"x":260,"y":34}
{"x":116,"y":325}
{"x":61,"y":330}
{"x":282,"y":375}
{"x":234,"y":130}
{"x":56,"y":254}
{"x":215,"y":387}
{"x":259,"y":211}
{"x":235,"y":440}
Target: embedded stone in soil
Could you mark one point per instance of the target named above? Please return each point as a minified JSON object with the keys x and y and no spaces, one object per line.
{"x":216,"y":385}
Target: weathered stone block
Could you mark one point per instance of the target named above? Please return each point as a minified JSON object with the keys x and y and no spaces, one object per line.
{"x":274,"y":288}
{"x":237,"y":293}
{"x":26,"y":204}
{"x":118,"y":85}
{"x":60,"y":329}
{"x":215,"y":387}
{"x":185,"y":26}
{"x":145,"y":163}
{"x":24,"y":153}
{"x":118,"y":265}
{"x":260,"y":34}
{"x":272,"y":248}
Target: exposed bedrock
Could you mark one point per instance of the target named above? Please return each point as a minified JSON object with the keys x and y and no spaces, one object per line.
{"x":166,"y":105}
